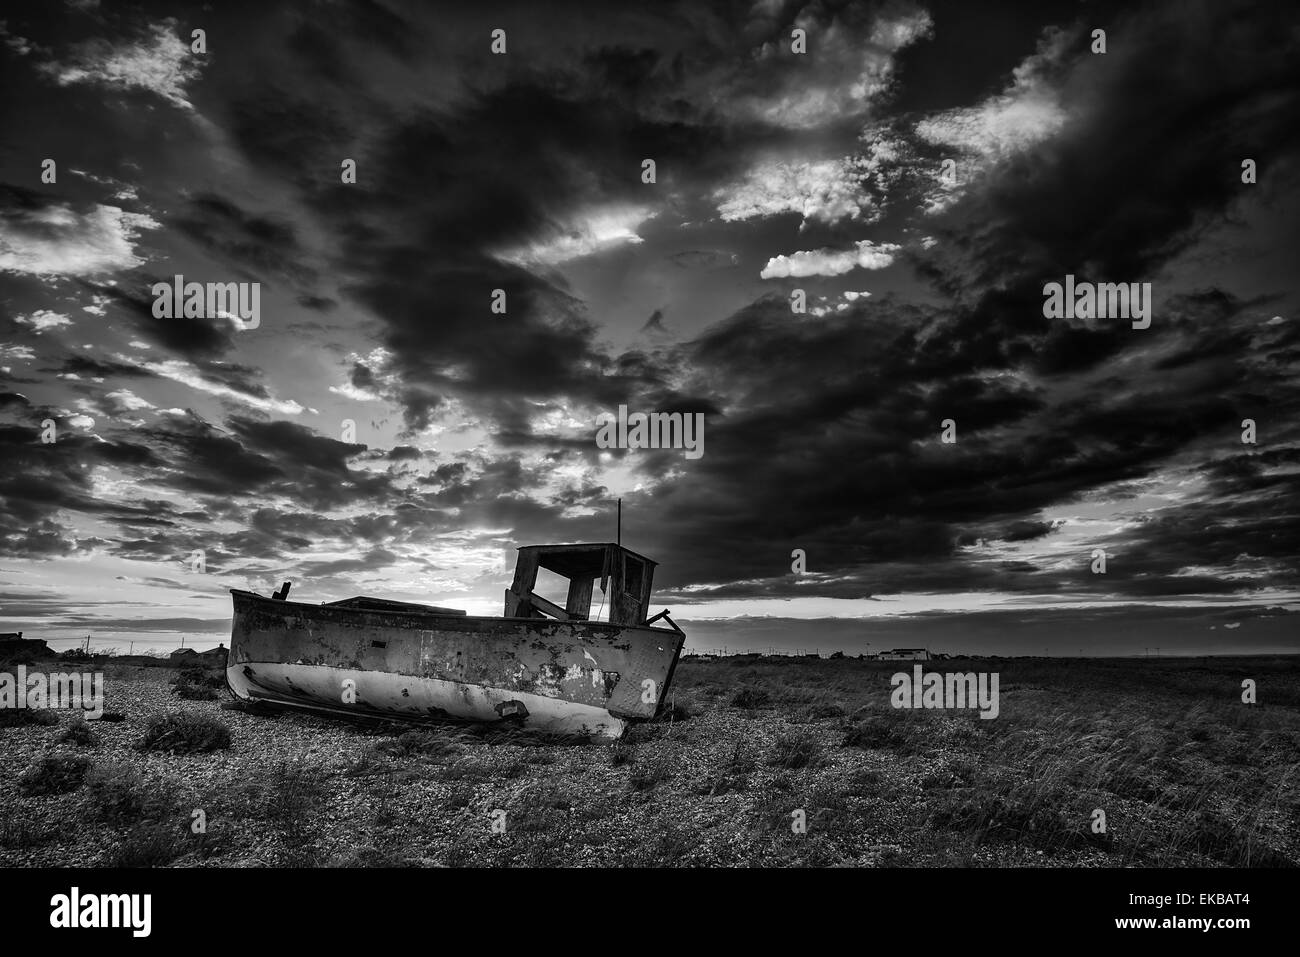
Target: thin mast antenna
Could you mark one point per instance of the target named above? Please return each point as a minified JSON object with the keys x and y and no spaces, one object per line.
{"x":620,"y":523}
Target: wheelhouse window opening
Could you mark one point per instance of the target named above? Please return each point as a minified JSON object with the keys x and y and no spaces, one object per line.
{"x":623,"y":578}
{"x":552,"y":586}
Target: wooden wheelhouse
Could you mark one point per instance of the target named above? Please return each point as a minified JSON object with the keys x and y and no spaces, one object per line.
{"x":624,"y":578}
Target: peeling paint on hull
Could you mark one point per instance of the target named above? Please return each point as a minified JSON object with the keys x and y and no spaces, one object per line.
{"x":556,"y":675}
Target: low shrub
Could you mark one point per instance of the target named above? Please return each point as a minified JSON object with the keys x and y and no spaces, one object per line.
{"x":16,"y":717}
{"x":59,"y":774}
{"x":184,"y":733}
{"x":794,"y":751}
{"x":79,"y":733}
{"x":117,"y":793}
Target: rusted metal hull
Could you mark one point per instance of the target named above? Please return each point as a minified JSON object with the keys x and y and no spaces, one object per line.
{"x":569,"y":676}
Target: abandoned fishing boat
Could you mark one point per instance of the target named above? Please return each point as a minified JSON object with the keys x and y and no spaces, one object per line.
{"x":541,"y":665}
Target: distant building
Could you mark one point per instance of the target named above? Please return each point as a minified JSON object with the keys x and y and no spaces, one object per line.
{"x":13,"y":644}
{"x":905,"y":654}
{"x":215,"y":655}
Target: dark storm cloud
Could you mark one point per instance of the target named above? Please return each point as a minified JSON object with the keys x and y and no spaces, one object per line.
{"x":527,"y":150}
{"x":286,"y":133}
{"x":264,"y":245}
{"x":1151,"y":154}
{"x":242,"y":379}
{"x":1019,"y":531}
{"x":701,"y":259}
{"x":885,"y":381}
{"x":544,"y":345}
{"x":362,"y":377}
{"x":43,"y":539}
{"x":821,"y":432}
{"x":835,"y":445}
{"x":41,"y":480}
{"x":317,"y":303}
{"x":1243,"y":521}
{"x":29,"y":605}
{"x":291,"y":442}
{"x":320,"y":45}
{"x":196,"y":339}
{"x":296,"y":528}
{"x":372,"y":560}
{"x":216,"y":462}
{"x":90,"y":367}
{"x":252,"y":459}
{"x":258,"y":458}
{"x":156,"y":548}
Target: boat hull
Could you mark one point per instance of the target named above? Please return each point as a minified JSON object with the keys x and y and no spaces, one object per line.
{"x":581,"y":677}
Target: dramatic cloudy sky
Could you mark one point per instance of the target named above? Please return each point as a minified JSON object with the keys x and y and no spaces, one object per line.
{"x":775,"y":171}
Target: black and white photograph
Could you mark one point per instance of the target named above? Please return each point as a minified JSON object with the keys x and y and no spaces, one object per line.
{"x":707,"y":436}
